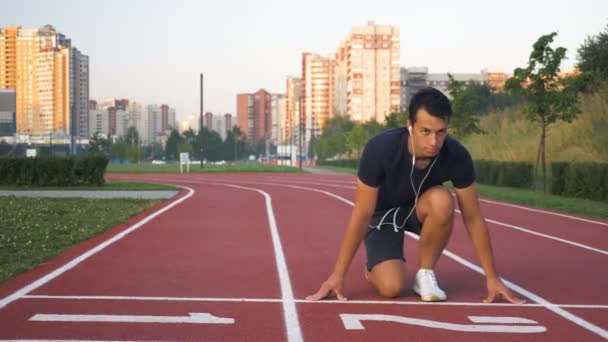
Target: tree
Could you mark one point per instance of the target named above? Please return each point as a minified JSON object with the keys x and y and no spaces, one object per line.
{"x":234,"y":145}
{"x":395,"y":120}
{"x":171,"y":147}
{"x":356,"y":139}
{"x":132,"y":136}
{"x":549,"y":98}
{"x":154,"y":151}
{"x":373,"y":127}
{"x":467,"y":101}
{"x":593,"y":56}
{"x":120,"y":149}
{"x":98,"y":143}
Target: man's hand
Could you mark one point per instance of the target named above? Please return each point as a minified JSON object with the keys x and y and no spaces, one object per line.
{"x":496,"y":290}
{"x":332,"y":284}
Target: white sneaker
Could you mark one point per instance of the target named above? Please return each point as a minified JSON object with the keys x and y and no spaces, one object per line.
{"x":425,"y":285}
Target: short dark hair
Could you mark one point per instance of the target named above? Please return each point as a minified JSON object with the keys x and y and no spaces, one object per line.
{"x":431,"y":100}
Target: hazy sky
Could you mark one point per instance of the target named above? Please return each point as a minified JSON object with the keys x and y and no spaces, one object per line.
{"x":153,"y":51}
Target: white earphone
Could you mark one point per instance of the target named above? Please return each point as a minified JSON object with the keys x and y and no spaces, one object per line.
{"x":409,"y":128}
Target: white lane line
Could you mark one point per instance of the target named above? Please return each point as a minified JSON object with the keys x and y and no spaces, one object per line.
{"x":550,"y":306}
{"x":546,"y":212}
{"x":192,"y":318}
{"x":45,"y":279}
{"x":529,"y":231}
{"x":593,"y":249}
{"x":509,"y":205}
{"x":290,"y":314}
{"x":501,"y":320}
{"x":277,"y":300}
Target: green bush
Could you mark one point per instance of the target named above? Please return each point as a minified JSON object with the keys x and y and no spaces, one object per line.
{"x":558,"y":177}
{"x":510,"y":174}
{"x":586,"y":180}
{"x":53,"y":171}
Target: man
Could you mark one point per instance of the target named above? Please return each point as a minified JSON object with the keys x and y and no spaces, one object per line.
{"x":399,"y":188}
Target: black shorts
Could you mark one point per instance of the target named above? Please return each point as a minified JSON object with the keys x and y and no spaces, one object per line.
{"x":386,"y":243}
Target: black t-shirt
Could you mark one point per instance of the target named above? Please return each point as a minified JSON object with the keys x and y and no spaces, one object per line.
{"x":386,"y":163}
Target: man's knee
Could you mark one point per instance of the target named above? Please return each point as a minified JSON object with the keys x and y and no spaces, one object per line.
{"x":439,"y":203}
{"x":388,"y":278}
{"x":389,"y":288}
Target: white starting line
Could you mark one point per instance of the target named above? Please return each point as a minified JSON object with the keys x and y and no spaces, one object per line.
{"x":303,"y":301}
{"x":194,"y":318}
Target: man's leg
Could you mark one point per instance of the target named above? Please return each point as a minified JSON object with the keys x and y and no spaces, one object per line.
{"x":435,"y":209}
{"x":388,"y":278}
{"x":385,"y":263}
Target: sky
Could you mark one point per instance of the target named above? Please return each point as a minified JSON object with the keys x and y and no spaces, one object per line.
{"x":154,"y":51}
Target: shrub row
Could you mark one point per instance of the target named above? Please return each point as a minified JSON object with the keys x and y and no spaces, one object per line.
{"x":585,"y":180}
{"x":349,"y":163}
{"x":53,"y":171}
{"x":511,"y":174}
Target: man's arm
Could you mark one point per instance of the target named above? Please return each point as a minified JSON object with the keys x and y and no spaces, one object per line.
{"x":474,"y":221}
{"x":365,"y":204}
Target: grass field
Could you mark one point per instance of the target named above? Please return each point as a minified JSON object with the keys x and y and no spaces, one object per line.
{"x":33,"y":230}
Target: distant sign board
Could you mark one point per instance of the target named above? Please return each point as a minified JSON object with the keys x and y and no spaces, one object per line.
{"x":30,"y":152}
{"x":184,"y":158}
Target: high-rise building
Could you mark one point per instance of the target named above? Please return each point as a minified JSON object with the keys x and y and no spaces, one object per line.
{"x":416,"y":78}
{"x":315,"y":93}
{"x":99,"y":122}
{"x":8,"y":57}
{"x":160,"y":120}
{"x":79,"y":93}
{"x":277,"y":111}
{"x":8,"y":111}
{"x":253,"y":115}
{"x":228,"y":122}
{"x":50,"y":78}
{"x":292,"y":104}
{"x":209,"y":121}
{"x":367,"y":75}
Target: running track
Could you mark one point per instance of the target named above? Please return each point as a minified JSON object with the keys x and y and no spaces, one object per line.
{"x":233,"y":256}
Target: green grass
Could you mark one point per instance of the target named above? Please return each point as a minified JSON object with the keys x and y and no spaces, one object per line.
{"x":174,"y":168}
{"x":339,"y":169}
{"x":33,"y":230}
{"x":579,"y":206}
{"x":531,"y":198}
{"x":109,"y":185}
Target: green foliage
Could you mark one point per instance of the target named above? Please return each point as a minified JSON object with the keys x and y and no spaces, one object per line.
{"x":395,"y":120}
{"x":347,"y":163}
{"x":558,"y":177}
{"x":171,"y":147}
{"x":593,"y":56}
{"x":356,"y":139}
{"x":470,"y":101}
{"x":511,"y":174}
{"x":584,"y":180}
{"x":466,"y":102}
{"x":98,"y":143}
{"x":53,"y":171}
{"x":549,"y":98}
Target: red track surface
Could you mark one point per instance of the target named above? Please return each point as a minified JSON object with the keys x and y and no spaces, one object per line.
{"x":212,"y":251}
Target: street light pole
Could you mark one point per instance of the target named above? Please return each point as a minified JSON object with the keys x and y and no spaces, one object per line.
{"x":200,"y":122}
